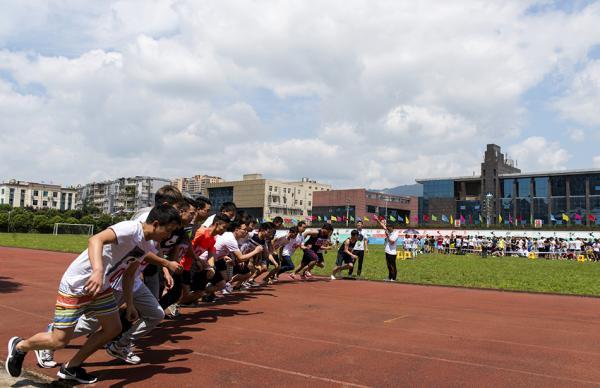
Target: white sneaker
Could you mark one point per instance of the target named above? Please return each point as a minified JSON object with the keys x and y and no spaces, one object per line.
{"x":45,"y":358}
{"x":333,"y":277}
{"x":225,"y":292}
{"x":123,"y":353}
{"x":228,"y":288}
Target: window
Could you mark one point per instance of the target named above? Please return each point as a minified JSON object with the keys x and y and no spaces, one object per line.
{"x":295,"y":202}
{"x":3,"y":191}
{"x":35,"y":202}
{"x":438,"y":189}
{"x":309,"y":203}
{"x":45,"y":193}
{"x":371,"y":209}
{"x":523,"y":187}
{"x":54,"y":204}
{"x":558,"y":186}
{"x":54,"y":194}
{"x":540,"y":187}
{"x":45,"y":203}
{"x":300,"y":202}
{"x":577,"y":185}
{"x":36,"y":193}
{"x":270,"y":188}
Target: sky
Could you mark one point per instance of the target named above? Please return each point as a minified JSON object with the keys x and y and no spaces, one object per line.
{"x":352,"y":93}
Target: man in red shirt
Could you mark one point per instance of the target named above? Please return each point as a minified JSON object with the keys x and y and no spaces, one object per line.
{"x":197,"y":273}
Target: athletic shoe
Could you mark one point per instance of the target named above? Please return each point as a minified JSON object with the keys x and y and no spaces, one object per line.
{"x":228,"y":288}
{"x":386,"y":280}
{"x":225,"y":292}
{"x":123,"y":353}
{"x":172,"y":311}
{"x":210,"y":298}
{"x":76,"y":374}
{"x":45,"y":358}
{"x":333,"y":277}
{"x":14,"y":361}
{"x":246,"y":286}
{"x":308,"y":275}
{"x":392,"y":280}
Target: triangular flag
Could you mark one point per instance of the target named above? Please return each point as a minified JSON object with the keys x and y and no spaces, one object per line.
{"x":406,"y":220}
{"x":333,"y":218}
{"x":451,"y":219}
{"x":351,"y":218}
{"x":565,"y":217}
{"x":433,"y":217}
{"x":392,"y":219}
{"x":366,"y":218}
{"x":445,"y":218}
{"x":500,"y":218}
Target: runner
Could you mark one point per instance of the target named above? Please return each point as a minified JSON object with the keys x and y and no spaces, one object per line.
{"x":345,"y":257}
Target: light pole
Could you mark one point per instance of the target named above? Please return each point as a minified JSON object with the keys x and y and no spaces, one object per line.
{"x":347,"y":211}
{"x":8,"y":223}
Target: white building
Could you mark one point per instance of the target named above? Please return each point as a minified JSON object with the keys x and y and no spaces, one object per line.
{"x":196,"y":184}
{"x":120,"y":195}
{"x":37,"y":195}
{"x":267,"y":198}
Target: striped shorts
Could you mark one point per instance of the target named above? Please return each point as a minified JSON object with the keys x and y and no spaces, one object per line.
{"x":69,"y":308}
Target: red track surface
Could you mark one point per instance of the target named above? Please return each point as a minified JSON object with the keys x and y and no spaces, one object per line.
{"x":322,"y":333}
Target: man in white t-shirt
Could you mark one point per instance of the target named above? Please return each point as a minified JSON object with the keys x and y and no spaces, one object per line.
{"x":288,"y":250}
{"x":227,"y":208}
{"x":84,"y":289}
{"x":391,"y":250}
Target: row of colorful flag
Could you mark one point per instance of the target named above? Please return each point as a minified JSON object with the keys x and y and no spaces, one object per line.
{"x":399,"y":219}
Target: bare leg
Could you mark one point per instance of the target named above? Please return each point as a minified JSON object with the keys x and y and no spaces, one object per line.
{"x":111,"y":327}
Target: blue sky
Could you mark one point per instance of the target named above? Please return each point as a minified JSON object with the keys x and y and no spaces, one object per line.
{"x":348,"y":92}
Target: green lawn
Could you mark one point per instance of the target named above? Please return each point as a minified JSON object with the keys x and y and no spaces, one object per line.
{"x":61,"y":243}
{"x":507,"y":273}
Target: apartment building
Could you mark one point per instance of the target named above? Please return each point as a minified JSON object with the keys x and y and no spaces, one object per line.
{"x":37,"y":195}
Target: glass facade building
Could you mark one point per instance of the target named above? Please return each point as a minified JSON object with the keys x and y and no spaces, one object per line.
{"x":517,"y":198}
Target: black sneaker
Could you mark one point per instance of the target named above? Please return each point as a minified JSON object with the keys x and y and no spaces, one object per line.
{"x":76,"y":374}
{"x":210,"y":298}
{"x":14,"y":361}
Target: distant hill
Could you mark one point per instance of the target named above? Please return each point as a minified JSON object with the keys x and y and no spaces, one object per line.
{"x":412,"y":190}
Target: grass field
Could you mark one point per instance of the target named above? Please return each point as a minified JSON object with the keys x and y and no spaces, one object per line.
{"x":60,"y":243}
{"x":507,"y":273}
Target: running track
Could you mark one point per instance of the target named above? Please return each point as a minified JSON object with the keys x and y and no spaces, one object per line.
{"x":343,"y":333}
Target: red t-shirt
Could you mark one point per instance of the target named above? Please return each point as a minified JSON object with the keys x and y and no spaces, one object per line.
{"x":203,"y":241}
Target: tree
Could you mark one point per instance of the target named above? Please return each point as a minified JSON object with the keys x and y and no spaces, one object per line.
{"x":3,"y":222}
{"x":21,"y":222}
{"x":42,"y":224}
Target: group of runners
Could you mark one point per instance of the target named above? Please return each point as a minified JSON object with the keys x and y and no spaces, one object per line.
{"x":137,"y":272}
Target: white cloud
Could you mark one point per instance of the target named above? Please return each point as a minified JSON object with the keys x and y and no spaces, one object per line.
{"x":575,"y":134}
{"x":582,"y":99}
{"x":537,"y":153}
{"x":352,"y":94}
{"x":596,"y":161}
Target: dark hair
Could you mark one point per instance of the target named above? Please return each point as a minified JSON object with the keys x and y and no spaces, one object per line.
{"x":293,"y":229}
{"x":183,"y":204}
{"x":167,"y":194}
{"x":220,"y":217}
{"x":228,"y":207}
{"x":265,"y":226}
{"x":327,"y":227}
{"x":272,"y":225}
{"x":358,"y":222}
{"x":201,"y":202}
{"x":233,"y":225}
{"x":164,"y":214}
{"x":277,"y":220}
{"x":301,"y":223}
{"x":354,"y":233}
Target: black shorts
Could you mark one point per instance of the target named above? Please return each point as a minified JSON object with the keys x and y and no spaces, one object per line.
{"x":343,"y":258}
{"x":186,"y":277}
{"x":220,"y":265}
{"x":310,"y":256}
{"x":241,"y":269}
{"x":199,"y":280}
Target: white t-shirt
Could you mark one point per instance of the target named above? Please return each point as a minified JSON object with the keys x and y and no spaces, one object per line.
{"x":116,"y":280}
{"x":130,"y":247}
{"x":390,"y":243}
{"x":226,"y":244}
{"x":360,"y":243}
{"x":209,"y":221}
{"x":292,"y":245}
